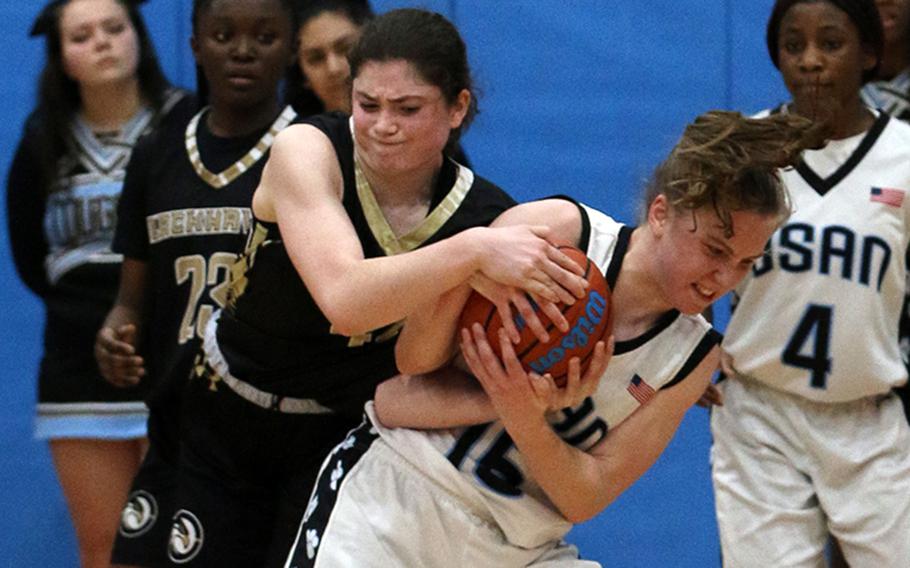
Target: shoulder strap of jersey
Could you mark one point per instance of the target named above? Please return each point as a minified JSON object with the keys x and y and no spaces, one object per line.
{"x":711,"y":338}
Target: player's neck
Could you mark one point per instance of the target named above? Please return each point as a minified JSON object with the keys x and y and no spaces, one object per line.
{"x":107,"y":108}
{"x":636,"y":291}
{"x":402,"y":188}
{"x":230,"y":121}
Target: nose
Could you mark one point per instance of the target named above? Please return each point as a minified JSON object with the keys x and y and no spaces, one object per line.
{"x":244,"y":48}
{"x":385,"y":124}
{"x":102,"y":40}
{"x":337,"y":64}
{"x":811,"y":59}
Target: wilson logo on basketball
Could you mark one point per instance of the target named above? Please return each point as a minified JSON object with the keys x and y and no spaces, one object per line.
{"x":579,"y":335}
{"x":590,"y":320}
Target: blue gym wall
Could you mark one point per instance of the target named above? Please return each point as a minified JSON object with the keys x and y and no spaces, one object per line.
{"x":580,"y":97}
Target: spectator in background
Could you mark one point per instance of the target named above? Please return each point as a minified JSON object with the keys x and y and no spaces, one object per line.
{"x":890,"y":89}
{"x":100,"y":90}
{"x":326,"y":32}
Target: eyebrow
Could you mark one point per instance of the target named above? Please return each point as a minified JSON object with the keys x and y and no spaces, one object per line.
{"x":401,"y":99}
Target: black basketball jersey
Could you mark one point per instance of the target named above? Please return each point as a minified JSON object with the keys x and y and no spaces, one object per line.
{"x":185,"y":212}
{"x":273,"y":334}
{"x":61,"y":237}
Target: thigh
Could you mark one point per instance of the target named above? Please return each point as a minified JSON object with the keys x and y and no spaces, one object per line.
{"x":768,"y":513}
{"x":145,"y":521}
{"x":867,"y":490}
{"x":226,"y":496}
{"x":95,"y":476}
{"x":219,"y":525}
{"x":373,"y":509}
{"x":303,"y":457}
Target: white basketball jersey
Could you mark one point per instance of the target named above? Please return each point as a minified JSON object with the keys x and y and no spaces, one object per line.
{"x":818,"y":315}
{"x":481,"y":466}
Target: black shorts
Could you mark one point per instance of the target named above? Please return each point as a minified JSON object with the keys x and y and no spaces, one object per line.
{"x":145,"y":525}
{"x":245,"y":477}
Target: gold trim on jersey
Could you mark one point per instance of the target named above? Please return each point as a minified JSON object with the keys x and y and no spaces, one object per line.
{"x":243,"y":264}
{"x":233,"y":171}
{"x":379,"y":225}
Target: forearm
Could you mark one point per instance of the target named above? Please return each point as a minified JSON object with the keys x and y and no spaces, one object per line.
{"x":447,"y":398}
{"x":573,"y":480}
{"x":130,"y":305}
{"x":375,"y":292}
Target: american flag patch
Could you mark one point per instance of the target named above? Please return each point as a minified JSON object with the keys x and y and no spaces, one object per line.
{"x":640,"y":390}
{"x":887,"y":195}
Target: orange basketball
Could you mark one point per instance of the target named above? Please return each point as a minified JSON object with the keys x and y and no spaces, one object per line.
{"x":590,"y":319}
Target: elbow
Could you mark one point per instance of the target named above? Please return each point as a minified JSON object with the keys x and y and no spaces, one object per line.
{"x":341,"y":326}
{"x":383,"y":402}
{"x":581,"y":515}
{"x":411,"y":363}
{"x":586,"y":510}
{"x":343,"y":319}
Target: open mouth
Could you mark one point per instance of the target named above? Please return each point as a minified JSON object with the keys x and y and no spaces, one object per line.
{"x":706,"y":294}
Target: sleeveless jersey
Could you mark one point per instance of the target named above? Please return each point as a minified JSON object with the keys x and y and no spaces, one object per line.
{"x":481,"y":465}
{"x":273,"y":335}
{"x":818,"y":315}
{"x":78,"y":274}
{"x":185,"y":212}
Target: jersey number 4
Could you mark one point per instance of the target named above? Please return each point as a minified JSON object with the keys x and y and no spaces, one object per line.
{"x":216,"y":273}
{"x":810,"y":345}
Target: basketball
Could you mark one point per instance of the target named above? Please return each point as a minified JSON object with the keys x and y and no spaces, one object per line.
{"x":590,"y":319}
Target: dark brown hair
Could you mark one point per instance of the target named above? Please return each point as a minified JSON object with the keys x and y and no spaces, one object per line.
{"x":59,"y":99}
{"x":427,"y":41}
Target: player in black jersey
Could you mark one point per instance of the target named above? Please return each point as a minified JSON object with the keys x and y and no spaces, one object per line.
{"x":101,"y":88}
{"x":184,"y":217}
{"x":359,"y":221}
{"x":321,"y":82}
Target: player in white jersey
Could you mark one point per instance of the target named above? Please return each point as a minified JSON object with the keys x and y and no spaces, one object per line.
{"x":811,"y":439}
{"x":505,"y":490}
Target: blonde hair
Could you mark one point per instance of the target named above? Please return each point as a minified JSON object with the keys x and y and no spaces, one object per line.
{"x":730,"y":162}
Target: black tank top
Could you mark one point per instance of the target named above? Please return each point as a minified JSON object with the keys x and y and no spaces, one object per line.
{"x":273,"y":334}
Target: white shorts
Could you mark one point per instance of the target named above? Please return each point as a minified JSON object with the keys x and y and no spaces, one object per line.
{"x":787,"y":471}
{"x":376,"y":510}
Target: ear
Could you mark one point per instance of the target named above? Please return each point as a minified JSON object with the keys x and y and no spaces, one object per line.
{"x":194,"y":47}
{"x":659,"y":215}
{"x":459,"y":110}
{"x":869,"y":58}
